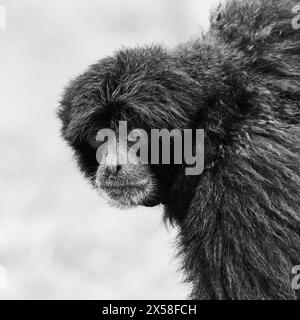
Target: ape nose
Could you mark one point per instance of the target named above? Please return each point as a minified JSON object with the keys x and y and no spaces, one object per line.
{"x":112,"y":170}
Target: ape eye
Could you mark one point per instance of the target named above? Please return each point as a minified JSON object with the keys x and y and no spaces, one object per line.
{"x":92,"y":140}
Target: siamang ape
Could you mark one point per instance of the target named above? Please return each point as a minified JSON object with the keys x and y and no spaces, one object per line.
{"x":239,"y":221}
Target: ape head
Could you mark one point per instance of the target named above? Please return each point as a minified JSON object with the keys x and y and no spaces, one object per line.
{"x":145,"y":88}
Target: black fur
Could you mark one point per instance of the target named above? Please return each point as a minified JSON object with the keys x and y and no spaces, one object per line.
{"x":239,"y":221}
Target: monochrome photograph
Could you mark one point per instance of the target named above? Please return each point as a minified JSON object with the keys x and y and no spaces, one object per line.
{"x":150,"y":151}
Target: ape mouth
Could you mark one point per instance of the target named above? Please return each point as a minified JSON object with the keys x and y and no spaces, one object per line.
{"x":125,"y":194}
{"x":117,"y":185}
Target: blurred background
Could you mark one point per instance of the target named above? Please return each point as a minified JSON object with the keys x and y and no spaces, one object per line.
{"x":58,"y":239}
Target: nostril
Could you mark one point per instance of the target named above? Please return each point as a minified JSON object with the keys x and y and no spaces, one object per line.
{"x":112,"y":171}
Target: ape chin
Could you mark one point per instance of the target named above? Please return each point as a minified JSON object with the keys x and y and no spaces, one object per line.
{"x":238,"y":221}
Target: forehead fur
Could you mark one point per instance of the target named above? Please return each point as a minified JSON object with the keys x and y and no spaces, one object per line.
{"x":139,"y":83}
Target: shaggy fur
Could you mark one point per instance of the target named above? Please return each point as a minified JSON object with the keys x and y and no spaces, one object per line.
{"x":239,"y":221}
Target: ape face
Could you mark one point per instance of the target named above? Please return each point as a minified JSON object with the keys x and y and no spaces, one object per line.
{"x":123,"y":185}
{"x":145,"y":89}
